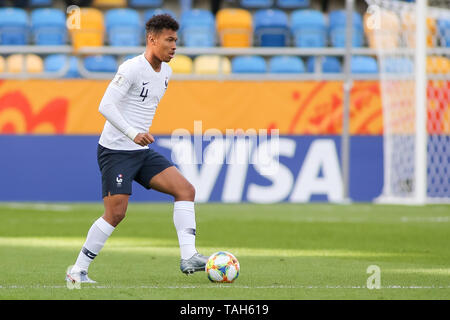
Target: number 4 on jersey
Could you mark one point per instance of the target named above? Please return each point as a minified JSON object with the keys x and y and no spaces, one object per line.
{"x":144,"y":95}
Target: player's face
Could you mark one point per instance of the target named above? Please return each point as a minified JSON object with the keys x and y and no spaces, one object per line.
{"x":164,"y":44}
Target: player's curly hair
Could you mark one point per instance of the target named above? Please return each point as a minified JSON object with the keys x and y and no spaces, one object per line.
{"x":159,"y":22}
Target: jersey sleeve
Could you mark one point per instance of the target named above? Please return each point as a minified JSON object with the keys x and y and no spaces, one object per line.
{"x":116,"y":90}
{"x":124,"y":78}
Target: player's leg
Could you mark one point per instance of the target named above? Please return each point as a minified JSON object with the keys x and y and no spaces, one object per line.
{"x":171,"y":181}
{"x":160,"y":174}
{"x":100,"y":231}
{"x":118,"y":171}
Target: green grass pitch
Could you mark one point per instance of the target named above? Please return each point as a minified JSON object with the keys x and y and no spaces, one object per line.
{"x":286,"y":251}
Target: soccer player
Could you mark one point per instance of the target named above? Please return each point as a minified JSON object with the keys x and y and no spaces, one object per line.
{"x":123,"y":155}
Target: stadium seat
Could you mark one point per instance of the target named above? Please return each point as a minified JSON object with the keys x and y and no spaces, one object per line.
{"x":145,"y":3}
{"x":271,"y":28}
{"x":109,"y":3}
{"x":2,"y":64}
{"x":256,"y":4}
{"x":329,"y":64}
{"x":286,"y":64}
{"x":198,"y":28}
{"x":212,"y":64}
{"x":123,"y":27}
{"x":397,"y":65}
{"x":363,"y":64}
{"x":91,"y":31}
{"x":234,"y":27}
{"x":292,"y":4}
{"x":40,"y":3}
{"x":15,"y":63}
{"x":380,"y":39}
{"x":153,"y":12}
{"x":129,"y":56}
{"x":13,"y":26}
{"x":337,"y":25}
{"x":48,"y":26}
{"x":443,"y":26}
{"x":181,"y":64}
{"x":100,"y":63}
{"x":308,"y":28}
{"x":438,"y":65}
{"x":56,"y":62}
{"x":248,"y":64}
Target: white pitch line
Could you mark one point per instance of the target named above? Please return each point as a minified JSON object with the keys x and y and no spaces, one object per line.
{"x":220,"y":286}
{"x":38,"y":206}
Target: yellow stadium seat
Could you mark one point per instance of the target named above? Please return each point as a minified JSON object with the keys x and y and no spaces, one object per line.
{"x":212,"y":64}
{"x":2,"y":64}
{"x":110,"y":3}
{"x":181,"y":64}
{"x":438,"y":65}
{"x":386,"y":35}
{"x":235,"y":27}
{"x":90,"y":32}
{"x":34,"y":63}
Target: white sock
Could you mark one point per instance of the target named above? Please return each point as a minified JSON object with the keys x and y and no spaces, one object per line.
{"x":184,"y":221}
{"x":95,"y":240}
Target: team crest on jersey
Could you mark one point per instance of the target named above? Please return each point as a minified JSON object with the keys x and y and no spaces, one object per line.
{"x":119,"y":180}
{"x":166,"y":83}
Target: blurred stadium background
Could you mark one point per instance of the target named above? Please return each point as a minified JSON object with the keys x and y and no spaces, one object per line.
{"x":256,"y":64}
{"x":363,"y":112}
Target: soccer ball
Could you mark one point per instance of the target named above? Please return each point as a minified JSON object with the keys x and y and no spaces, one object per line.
{"x":222,"y":266}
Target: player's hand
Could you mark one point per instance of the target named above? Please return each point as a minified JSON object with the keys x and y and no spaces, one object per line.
{"x":144,"y":139}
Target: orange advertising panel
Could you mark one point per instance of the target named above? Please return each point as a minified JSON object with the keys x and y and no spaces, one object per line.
{"x":308,"y":107}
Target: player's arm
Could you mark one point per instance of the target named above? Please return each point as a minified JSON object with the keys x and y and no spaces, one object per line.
{"x":116,"y":90}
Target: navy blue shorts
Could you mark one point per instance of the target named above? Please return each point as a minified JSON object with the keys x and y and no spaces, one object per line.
{"x":119,"y":168}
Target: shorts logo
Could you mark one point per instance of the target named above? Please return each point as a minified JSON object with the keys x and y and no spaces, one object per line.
{"x":119,"y":180}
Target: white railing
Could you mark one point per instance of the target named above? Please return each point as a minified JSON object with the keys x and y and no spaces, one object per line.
{"x":229,"y":52}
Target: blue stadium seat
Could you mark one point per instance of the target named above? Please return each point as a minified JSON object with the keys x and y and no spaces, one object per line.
{"x":123,"y":27}
{"x":198,"y":28}
{"x":48,"y":26}
{"x":329,"y":65}
{"x":13,"y":26}
{"x":292,"y":4}
{"x":129,"y":56}
{"x":55,"y":62}
{"x":271,"y":28}
{"x":145,"y":3}
{"x":443,"y":27}
{"x":153,"y":12}
{"x":248,"y":64}
{"x":363,"y":64}
{"x":256,"y":4}
{"x":286,"y":64}
{"x":40,"y":3}
{"x":397,"y":65}
{"x":309,"y":28}
{"x":100,"y":63}
{"x":337,"y":25}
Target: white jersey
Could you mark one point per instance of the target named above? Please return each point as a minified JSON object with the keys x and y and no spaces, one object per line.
{"x":135,"y":93}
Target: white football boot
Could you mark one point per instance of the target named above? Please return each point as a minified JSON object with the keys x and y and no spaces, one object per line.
{"x":78,"y":276}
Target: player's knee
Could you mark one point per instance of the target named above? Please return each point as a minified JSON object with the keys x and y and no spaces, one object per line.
{"x":186,"y":193}
{"x":191,"y":192}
